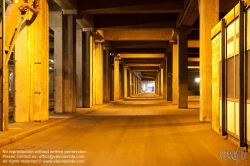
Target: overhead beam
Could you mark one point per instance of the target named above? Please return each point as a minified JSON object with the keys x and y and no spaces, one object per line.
{"x":148,"y":77}
{"x":66,"y":4}
{"x":140,"y":44}
{"x":189,"y":16}
{"x":149,"y":20}
{"x":144,"y":70}
{"x":85,"y":23}
{"x":193,"y":43}
{"x":138,"y":34}
{"x":169,"y":7}
{"x":142,"y":55}
{"x":143,"y":65}
{"x":193,"y":59}
{"x":98,"y":4}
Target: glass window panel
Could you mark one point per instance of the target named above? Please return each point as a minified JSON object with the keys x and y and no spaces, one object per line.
{"x":230,"y":77}
{"x":237,"y":35}
{"x":248,"y":29}
{"x":248,"y":75}
{"x":237,"y":77}
{"x":230,"y":38}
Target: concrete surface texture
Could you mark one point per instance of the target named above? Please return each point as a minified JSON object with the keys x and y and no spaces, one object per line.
{"x":138,"y":131}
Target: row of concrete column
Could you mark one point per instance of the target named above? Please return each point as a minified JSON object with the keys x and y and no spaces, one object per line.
{"x":171,"y":81}
{"x":208,"y":19}
{"x":79,"y":65}
{"x":78,"y":62}
{"x":83,"y":73}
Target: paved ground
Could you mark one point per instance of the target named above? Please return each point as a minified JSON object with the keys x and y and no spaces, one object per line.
{"x":139,"y":131}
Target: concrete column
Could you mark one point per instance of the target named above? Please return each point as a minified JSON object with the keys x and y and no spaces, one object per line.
{"x":134,"y":84}
{"x":208,"y":19}
{"x":161,"y":82}
{"x":125,"y":81}
{"x":79,"y":67}
{"x":138,"y":86}
{"x":94,"y":74}
{"x":164,"y":79}
{"x":87,"y":70}
{"x":32,"y":68}
{"x":130,"y":83}
{"x":112,"y":84}
{"x":169,"y":77}
{"x":56,"y":25}
{"x":140,"y":91}
{"x":156,"y":85}
{"x":106,"y":75}
{"x":69,"y":63}
{"x":121,"y":83}
{"x":98,"y":73}
{"x":116,"y":80}
{"x":175,"y":75}
{"x":183,"y":68}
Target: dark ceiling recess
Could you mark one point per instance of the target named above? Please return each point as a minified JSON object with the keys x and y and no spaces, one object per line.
{"x":146,"y":14}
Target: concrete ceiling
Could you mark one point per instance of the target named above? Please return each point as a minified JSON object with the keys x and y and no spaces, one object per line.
{"x":143,"y":26}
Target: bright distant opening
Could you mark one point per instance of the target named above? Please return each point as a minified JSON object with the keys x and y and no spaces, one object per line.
{"x":148,"y":86}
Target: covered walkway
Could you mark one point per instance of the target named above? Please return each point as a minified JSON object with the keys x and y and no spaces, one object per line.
{"x":140,"y":130}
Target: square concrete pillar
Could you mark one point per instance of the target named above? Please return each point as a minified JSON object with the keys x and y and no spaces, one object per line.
{"x":98,"y":73}
{"x":79,"y":67}
{"x":32,"y":68}
{"x":134,"y":84}
{"x":69,"y":63}
{"x":112,"y":84}
{"x":209,"y":17}
{"x":164,"y":79}
{"x":156,"y":84}
{"x":106,"y":75}
{"x":169,"y":77}
{"x":161,"y":82}
{"x":175,"y":75}
{"x":116,"y":80}
{"x":121,"y":82}
{"x":87,"y":70}
{"x":125,"y":81}
{"x":56,"y":25}
{"x":182,"y":67}
{"x":130,"y":83}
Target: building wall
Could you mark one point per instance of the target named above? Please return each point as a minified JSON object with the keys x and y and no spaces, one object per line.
{"x":232,"y":77}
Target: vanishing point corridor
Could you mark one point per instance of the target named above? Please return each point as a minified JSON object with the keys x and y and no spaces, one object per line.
{"x":138,"y":131}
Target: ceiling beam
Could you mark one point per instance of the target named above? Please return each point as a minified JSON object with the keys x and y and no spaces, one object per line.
{"x":65,"y":4}
{"x":138,"y":34}
{"x":147,"y":77}
{"x":139,"y":44}
{"x":144,"y":70}
{"x":143,"y":65}
{"x":168,"y":7}
{"x":193,"y":59}
{"x":149,"y":20}
{"x":100,"y":4}
{"x":142,"y":55}
{"x":193,"y":43}
{"x":189,"y":16}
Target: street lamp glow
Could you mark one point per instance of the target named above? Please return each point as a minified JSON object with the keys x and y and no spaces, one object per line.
{"x":197,"y":80}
